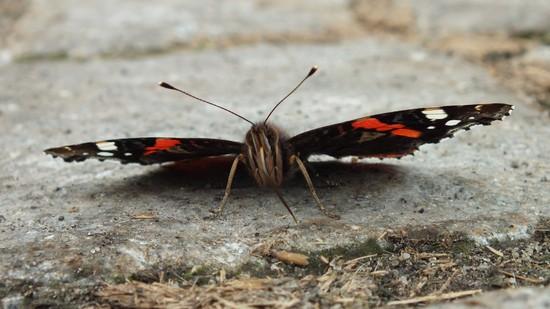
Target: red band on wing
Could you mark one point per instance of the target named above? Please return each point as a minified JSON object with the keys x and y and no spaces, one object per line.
{"x":407,"y":133}
{"x":396,"y":128}
{"x":373,"y":123}
{"x":160,"y":145}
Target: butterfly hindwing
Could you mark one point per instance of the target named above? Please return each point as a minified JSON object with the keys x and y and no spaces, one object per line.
{"x":395,"y":134}
{"x":147,"y":150}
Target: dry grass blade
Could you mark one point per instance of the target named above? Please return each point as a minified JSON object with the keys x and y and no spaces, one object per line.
{"x":229,"y":304}
{"x":447,"y":282}
{"x":326,"y":281}
{"x":495,"y":251}
{"x":249,"y":284}
{"x":350,"y":265}
{"x":324,"y":260}
{"x":434,"y":297}
{"x":531,"y":280}
{"x":428,"y":255}
{"x":277,"y":304}
{"x":379,"y":273}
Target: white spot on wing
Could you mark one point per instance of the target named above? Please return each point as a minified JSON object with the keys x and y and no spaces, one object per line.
{"x":127,"y":154}
{"x":105,"y":154}
{"x":452,"y":122}
{"x":431,"y":127}
{"x":434,"y":113}
{"x":428,"y":111}
{"x":106,"y":146}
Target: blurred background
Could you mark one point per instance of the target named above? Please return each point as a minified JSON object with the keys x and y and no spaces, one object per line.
{"x":510,"y":37}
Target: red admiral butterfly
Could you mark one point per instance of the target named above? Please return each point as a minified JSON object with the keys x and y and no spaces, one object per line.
{"x":270,"y":156}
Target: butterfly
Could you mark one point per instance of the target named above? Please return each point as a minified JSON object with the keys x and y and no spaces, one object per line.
{"x":270,"y":156}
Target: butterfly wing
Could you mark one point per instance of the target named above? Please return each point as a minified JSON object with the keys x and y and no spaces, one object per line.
{"x":395,"y":134}
{"x":147,"y":150}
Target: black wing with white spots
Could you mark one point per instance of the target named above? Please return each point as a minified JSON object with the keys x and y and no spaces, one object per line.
{"x":147,"y":150}
{"x":395,"y":134}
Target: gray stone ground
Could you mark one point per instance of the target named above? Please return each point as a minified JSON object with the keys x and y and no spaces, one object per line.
{"x":72,"y":72}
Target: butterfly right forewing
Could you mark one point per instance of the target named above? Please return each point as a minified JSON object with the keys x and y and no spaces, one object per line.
{"x":395,"y":134}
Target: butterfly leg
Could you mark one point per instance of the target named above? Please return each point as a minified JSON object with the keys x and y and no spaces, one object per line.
{"x":303,"y":169}
{"x":218,"y":211}
{"x":286,"y":204}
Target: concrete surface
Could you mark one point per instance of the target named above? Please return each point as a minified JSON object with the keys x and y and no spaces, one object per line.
{"x":60,"y":84}
{"x":511,"y":299}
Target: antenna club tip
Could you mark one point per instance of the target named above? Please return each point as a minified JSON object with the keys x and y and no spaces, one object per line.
{"x":166,"y":85}
{"x":313,"y":70}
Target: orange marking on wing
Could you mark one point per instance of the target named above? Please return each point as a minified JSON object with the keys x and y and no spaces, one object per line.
{"x":407,"y":133}
{"x":161,"y":144}
{"x":373,"y":123}
{"x":396,"y":128}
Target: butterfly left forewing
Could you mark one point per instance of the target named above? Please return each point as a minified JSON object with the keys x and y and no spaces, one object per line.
{"x":395,"y":134}
{"x":146,"y":150}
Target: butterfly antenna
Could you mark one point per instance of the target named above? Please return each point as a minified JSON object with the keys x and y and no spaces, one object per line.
{"x":168,"y":86}
{"x":311,"y":72}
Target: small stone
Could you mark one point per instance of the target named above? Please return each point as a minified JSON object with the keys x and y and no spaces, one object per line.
{"x":61,"y":218}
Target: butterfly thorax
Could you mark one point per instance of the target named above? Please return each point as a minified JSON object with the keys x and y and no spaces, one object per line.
{"x":266,"y":154}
